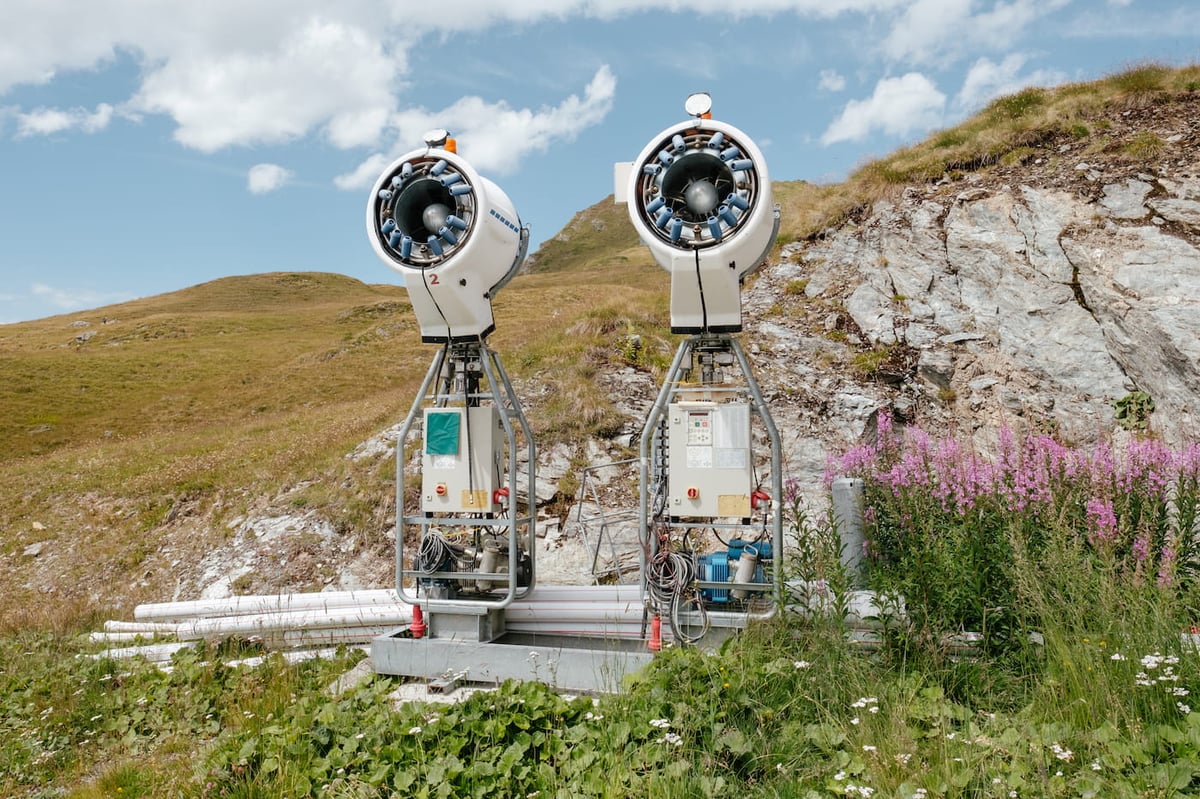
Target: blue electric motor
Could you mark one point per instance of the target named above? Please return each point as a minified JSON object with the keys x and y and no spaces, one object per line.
{"x":741,"y":563}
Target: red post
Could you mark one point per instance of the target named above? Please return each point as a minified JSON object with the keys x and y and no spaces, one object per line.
{"x":417,"y":627}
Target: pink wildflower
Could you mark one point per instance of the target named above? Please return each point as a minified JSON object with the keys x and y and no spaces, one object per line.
{"x":1141,"y":548}
{"x":1102,"y":522}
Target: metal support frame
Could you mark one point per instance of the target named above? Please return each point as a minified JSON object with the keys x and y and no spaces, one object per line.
{"x":470,"y":639}
{"x":652,"y":472}
{"x":453,"y":364}
{"x":603,"y":524}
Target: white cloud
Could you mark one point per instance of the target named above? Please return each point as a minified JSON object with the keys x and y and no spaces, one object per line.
{"x":45,"y":121}
{"x":494,"y":136}
{"x":922,"y":30}
{"x":899,"y":106}
{"x":75,"y":298}
{"x":365,"y":174}
{"x":832,"y":80}
{"x":942,"y":31}
{"x":478,"y":14}
{"x":320,"y":73}
{"x":264,"y":178}
{"x":987,"y":80}
{"x":231,"y":72}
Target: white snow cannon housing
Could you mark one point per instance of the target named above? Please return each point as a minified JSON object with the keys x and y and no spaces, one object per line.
{"x":700,"y":198}
{"x":453,"y":234}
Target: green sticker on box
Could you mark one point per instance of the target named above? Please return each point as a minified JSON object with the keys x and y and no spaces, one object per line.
{"x":441,"y":433}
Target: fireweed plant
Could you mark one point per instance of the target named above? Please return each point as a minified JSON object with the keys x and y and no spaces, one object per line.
{"x":997,"y":545}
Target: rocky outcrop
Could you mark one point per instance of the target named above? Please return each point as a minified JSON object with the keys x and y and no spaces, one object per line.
{"x":994,"y":304}
{"x":1034,"y":297}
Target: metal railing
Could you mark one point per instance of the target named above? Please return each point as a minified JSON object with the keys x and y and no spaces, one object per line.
{"x":601,"y":525}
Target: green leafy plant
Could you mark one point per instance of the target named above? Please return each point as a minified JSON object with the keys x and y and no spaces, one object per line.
{"x":1133,"y":410}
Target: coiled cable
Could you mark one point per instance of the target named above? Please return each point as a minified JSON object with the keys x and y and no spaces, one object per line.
{"x":434,"y":553}
{"x":669,"y":582}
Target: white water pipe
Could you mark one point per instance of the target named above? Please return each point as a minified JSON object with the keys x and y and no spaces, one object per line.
{"x":155,"y":653}
{"x":253,"y":605}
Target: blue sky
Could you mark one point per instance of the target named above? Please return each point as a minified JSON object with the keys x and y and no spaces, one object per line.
{"x":149,"y":146}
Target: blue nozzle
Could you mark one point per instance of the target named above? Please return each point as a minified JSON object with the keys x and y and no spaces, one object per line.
{"x":676,"y":229}
{"x":714,"y":227}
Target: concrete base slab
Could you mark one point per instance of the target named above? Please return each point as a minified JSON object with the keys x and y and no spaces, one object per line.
{"x":563,"y":662}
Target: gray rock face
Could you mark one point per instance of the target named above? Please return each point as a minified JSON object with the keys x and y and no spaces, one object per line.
{"x":1126,"y":200}
{"x":1025,"y":307}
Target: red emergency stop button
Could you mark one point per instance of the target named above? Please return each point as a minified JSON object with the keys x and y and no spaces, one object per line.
{"x":440,"y":489}
{"x":693,"y":492}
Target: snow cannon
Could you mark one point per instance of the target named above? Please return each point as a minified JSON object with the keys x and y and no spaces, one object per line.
{"x":453,"y":234}
{"x":700,"y":199}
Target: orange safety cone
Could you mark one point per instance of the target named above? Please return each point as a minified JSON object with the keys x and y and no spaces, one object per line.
{"x":417,"y":627}
{"x":655,"y":644}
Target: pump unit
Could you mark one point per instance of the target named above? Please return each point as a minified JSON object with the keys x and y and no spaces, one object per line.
{"x":743,"y":562}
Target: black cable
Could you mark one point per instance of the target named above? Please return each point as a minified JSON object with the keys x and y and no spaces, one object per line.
{"x":670,"y":578}
{"x":700,"y":286}
{"x":469,"y":452}
{"x":425,"y":280}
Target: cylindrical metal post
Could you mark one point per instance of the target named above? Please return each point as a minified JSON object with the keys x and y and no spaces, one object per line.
{"x":848,"y":516}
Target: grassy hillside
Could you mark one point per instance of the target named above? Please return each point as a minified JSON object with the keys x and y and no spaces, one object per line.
{"x":159,"y":420}
{"x":601,"y":232}
{"x":1011,"y":131}
{"x":128,"y":425}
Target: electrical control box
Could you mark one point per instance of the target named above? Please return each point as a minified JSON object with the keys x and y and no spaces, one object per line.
{"x":461,"y":460}
{"x":709,"y":460}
